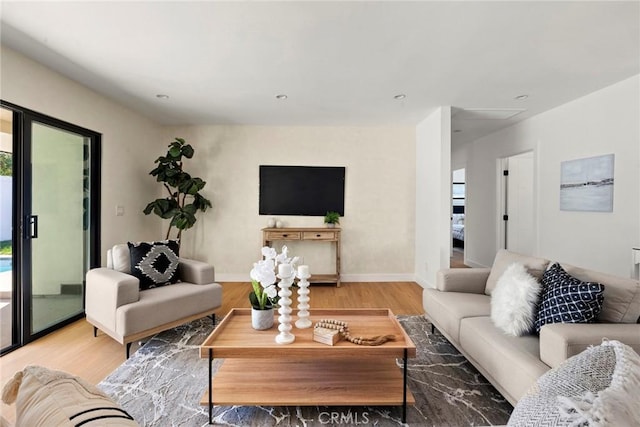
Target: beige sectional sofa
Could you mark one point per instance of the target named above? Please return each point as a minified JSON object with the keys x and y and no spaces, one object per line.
{"x":460,"y":308}
{"x":116,"y":305}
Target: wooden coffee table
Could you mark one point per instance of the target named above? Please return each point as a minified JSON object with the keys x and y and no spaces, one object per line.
{"x":258,"y":371}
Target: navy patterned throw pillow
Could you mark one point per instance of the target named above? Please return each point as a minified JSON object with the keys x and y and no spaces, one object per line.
{"x":154,"y":263}
{"x":566,"y":299}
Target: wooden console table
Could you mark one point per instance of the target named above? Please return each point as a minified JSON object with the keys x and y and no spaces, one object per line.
{"x":312,"y":234}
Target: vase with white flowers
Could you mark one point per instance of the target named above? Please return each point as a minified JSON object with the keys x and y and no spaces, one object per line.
{"x":264,"y":295}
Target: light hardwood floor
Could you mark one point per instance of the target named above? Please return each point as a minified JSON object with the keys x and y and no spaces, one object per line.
{"x":457,"y":259}
{"x":74,"y":349}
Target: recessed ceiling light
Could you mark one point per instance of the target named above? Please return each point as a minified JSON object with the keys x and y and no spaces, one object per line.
{"x":400,"y":96}
{"x":521,"y":97}
{"x":282,"y":96}
{"x":162,"y":96}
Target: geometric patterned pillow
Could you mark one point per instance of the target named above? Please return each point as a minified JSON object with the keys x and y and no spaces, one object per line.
{"x":566,"y":299}
{"x":154,"y":263}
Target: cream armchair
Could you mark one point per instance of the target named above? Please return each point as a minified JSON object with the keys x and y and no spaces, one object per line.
{"x":116,"y":306}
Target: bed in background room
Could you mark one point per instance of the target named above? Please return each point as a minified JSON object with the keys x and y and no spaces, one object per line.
{"x":457,"y":227}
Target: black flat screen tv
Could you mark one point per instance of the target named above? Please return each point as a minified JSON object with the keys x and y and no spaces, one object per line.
{"x":301,"y":190}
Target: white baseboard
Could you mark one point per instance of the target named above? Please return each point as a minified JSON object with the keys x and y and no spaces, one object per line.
{"x":379,"y":277}
{"x":232,"y":277}
{"x":408,"y":277}
{"x":424,"y":283}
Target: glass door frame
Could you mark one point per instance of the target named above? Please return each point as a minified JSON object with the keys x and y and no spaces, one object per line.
{"x":22,"y":276}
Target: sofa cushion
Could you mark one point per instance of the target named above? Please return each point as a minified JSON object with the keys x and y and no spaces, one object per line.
{"x":598,"y":387}
{"x":155,"y":263}
{"x":514,"y":301}
{"x":621,"y":295}
{"x":166,"y":304}
{"x":446,"y":309}
{"x":512,"y":363}
{"x":566,"y":299}
{"x":46,"y":398}
{"x":504,"y":258}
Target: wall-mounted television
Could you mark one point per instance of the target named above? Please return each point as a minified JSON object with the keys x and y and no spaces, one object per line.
{"x":301,"y":190}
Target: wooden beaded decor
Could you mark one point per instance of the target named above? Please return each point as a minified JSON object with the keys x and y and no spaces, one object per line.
{"x":343,"y":328}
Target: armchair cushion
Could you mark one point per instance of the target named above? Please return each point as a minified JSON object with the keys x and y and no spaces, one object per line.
{"x":155,"y":263}
{"x":196,"y":272}
{"x":106,"y":291}
{"x":119,"y":258}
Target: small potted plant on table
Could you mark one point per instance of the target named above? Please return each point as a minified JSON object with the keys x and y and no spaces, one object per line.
{"x":331,"y":219}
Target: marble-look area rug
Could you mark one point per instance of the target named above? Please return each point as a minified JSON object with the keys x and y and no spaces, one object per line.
{"x":163,"y":382}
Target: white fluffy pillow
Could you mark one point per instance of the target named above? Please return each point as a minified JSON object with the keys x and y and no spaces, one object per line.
{"x":514,"y":300}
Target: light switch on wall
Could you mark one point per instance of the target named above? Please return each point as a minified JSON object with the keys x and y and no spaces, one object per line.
{"x":119,"y":210}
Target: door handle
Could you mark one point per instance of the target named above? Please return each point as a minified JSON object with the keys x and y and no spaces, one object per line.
{"x":33,"y":227}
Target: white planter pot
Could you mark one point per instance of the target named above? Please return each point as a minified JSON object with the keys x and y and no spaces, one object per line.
{"x":261,"y":319}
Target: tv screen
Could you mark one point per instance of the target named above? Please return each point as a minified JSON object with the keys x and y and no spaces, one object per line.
{"x":301,"y":190}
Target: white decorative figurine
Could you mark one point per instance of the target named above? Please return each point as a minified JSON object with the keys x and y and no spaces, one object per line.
{"x":286,"y":275}
{"x":303,"y":298}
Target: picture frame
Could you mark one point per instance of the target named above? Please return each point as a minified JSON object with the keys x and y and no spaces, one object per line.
{"x":587,"y":184}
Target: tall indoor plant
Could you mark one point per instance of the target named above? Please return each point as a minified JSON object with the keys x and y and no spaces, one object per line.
{"x":184,"y":198}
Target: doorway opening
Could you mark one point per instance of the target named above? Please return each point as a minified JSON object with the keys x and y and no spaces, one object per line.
{"x":458,"y":212}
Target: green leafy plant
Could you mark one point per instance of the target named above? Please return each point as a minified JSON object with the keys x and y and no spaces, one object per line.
{"x":6,"y":247}
{"x":184,"y":198}
{"x":263,"y":298}
{"x":6,"y":164}
{"x":332,"y":218}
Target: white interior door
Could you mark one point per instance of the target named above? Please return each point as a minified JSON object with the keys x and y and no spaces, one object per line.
{"x":520,"y":204}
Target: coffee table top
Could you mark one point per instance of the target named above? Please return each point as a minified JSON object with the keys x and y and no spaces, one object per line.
{"x":235,"y":338}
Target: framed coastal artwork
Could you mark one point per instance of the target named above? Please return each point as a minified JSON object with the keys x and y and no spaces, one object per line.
{"x":587,"y":184}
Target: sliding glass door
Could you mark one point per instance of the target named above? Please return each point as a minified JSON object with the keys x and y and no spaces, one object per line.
{"x":56,"y":214}
{"x":7,"y":295}
{"x":56,"y":229}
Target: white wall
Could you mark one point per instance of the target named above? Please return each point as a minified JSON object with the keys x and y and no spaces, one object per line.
{"x":606,"y":121}
{"x":128,"y":139}
{"x":378,"y":226}
{"x":433,"y":195}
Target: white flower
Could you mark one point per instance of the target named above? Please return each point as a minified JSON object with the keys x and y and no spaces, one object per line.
{"x":263,"y":272}
{"x":271,"y":291}
{"x":283,"y":257}
{"x":294,"y":262}
{"x":269,"y":253}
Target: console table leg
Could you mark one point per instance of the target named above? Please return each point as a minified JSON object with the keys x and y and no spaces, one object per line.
{"x":210,"y":387}
{"x":404,"y":388}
